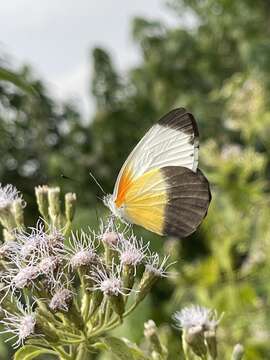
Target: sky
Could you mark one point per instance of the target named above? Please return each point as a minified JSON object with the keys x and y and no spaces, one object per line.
{"x":56,"y":37}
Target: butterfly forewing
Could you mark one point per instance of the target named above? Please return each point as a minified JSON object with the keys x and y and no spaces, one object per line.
{"x":173,"y":141}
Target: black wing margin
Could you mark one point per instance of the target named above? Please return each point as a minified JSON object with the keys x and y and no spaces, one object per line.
{"x":182,"y":120}
{"x":189,"y":197}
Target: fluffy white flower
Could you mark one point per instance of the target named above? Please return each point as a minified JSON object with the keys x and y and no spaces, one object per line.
{"x":62,"y":295}
{"x":33,"y":243}
{"x":8,"y":194}
{"x":132,"y":251}
{"x":82,"y":250}
{"x":21,"y":325}
{"x":107,"y":280}
{"x":196,"y":316}
{"x":48,"y":265}
{"x":61,"y":300}
{"x":110,"y":233}
{"x":156,"y":266}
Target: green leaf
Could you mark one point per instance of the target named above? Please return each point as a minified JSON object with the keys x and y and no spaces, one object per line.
{"x":17,"y":80}
{"x":119,"y":348}
{"x":29,"y":352}
{"x":100,"y":346}
{"x":138,"y":354}
{"x":123,"y":349}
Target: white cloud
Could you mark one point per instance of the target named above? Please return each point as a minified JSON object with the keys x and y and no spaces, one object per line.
{"x":56,"y":36}
{"x":75,"y":85}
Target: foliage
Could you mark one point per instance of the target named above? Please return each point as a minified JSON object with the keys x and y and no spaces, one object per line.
{"x":37,"y":134}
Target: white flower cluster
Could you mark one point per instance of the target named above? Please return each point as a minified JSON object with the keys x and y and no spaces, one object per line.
{"x":78,"y":274}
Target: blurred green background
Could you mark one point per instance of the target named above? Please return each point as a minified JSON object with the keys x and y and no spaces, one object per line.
{"x":219,"y":69}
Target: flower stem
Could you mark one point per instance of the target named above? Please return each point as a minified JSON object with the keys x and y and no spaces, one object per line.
{"x":82,"y":354}
{"x":62,"y":354}
{"x":114,"y":323}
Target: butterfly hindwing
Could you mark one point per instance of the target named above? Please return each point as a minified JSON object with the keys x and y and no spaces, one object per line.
{"x":169,"y":201}
{"x":188,"y":199}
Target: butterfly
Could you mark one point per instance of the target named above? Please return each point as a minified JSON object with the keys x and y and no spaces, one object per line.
{"x":160,"y":187}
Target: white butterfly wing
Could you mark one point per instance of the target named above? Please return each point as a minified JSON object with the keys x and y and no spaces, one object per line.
{"x":173,"y":141}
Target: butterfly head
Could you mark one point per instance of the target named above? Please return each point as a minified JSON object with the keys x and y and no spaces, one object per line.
{"x":109,"y":201}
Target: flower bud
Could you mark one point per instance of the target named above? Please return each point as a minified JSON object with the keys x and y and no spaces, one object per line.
{"x":48,"y":265}
{"x":95,"y":302}
{"x":70,"y":204}
{"x":150,"y":332}
{"x":155,"y":268}
{"x":62,"y":301}
{"x":83,"y":259}
{"x":194,"y":337}
{"x":42,"y":200}
{"x":17,"y":211}
{"x":109,"y":240}
{"x":54,"y":204}
{"x":118,"y":304}
{"x":148,"y":280}
{"x":7,"y":219}
{"x":75,"y":317}
{"x":238,"y":352}
{"x":211,"y":341}
{"x":8,"y":235}
{"x":128,"y":277}
{"x":55,"y":240}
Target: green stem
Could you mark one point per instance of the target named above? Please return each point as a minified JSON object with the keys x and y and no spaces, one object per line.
{"x":132,"y":307}
{"x":114,"y":323}
{"x":67,"y":228}
{"x":71,"y":342}
{"x":82,"y":354}
{"x":185,"y":348}
{"x":62,"y":353}
{"x":108,"y":313}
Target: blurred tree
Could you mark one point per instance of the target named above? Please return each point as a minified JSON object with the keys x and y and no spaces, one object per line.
{"x":40,"y":140}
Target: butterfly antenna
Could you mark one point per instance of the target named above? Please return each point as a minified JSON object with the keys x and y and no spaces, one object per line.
{"x":67,"y":178}
{"x":98,"y":184}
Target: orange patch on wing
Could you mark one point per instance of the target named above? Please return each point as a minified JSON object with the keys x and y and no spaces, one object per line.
{"x":124,"y":184}
{"x":146,"y":200}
